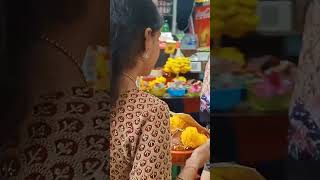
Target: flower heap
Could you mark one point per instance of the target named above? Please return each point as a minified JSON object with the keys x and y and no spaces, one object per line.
{"x":228,"y":14}
{"x":157,"y":83}
{"x":178,"y":65}
{"x":190,"y":137}
{"x":194,"y":87}
{"x":231,"y":54}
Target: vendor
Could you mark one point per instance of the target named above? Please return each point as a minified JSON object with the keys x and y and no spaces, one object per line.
{"x":140,"y":131}
{"x":205,"y":110}
{"x":304,"y":111}
{"x":205,"y":97}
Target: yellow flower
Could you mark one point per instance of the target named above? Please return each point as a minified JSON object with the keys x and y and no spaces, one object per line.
{"x":190,"y":137}
{"x":161,"y":79}
{"x":231,"y":54}
{"x":158,"y":80}
{"x":181,"y":78}
{"x":228,"y":14}
{"x":177,"y":65}
{"x":176,"y":123}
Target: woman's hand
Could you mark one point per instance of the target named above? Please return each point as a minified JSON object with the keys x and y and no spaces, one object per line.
{"x":198,"y":159}
{"x":200,"y":156}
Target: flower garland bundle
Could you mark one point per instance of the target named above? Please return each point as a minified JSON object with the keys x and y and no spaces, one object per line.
{"x":234,"y":18}
{"x":178,"y":65}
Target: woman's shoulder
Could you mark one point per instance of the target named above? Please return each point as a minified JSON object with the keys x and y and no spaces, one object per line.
{"x":140,"y":97}
{"x":140,"y":106}
{"x":81,"y":94}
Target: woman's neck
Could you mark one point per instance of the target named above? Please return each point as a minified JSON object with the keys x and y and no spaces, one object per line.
{"x":128,"y":80}
{"x":49,"y":68}
{"x":75,"y":38}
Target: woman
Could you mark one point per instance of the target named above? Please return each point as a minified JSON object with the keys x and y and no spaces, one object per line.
{"x":57,"y":127}
{"x":304,"y":115}
{"x":205,"y":109}
{"x":140,"y":132}
{"x":304,"y":131}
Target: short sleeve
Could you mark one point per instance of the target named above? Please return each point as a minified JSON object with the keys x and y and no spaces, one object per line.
{"x":152,"y":159}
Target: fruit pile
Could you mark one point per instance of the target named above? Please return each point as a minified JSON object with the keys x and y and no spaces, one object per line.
{"x":186,"y":132}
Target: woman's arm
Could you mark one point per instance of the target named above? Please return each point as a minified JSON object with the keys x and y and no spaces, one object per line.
{"x":199,"y":157}
{"x":152,"y":159}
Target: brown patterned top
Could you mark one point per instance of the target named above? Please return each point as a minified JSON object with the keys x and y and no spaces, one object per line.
{"x":140,"y":138}
{"x":64,"y":138}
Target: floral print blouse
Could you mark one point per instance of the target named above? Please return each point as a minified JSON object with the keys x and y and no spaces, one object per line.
{"x":205,"y":94}
{"x":140,"y":138}
{"x":64,"y":137}
{"x":304,"y":115}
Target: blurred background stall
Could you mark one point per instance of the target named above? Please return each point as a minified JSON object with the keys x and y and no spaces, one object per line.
{"x":256,"y":47}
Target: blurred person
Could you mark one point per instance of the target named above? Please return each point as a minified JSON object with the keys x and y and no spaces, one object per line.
{"x":304,"y":115}
{"x":140,"y":129}
{"x":56,"y":127}
{"x":304,"y":112}
{"x":205,"y":110}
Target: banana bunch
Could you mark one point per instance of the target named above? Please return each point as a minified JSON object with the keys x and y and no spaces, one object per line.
{"x":234,"y":18}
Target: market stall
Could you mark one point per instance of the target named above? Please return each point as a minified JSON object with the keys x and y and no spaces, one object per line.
{"x":178,"y":75}
{"x":252,"y":84}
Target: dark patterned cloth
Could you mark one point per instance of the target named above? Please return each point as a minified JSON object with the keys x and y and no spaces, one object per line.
{"x":65,"y":137}
{"x":304,"y":130}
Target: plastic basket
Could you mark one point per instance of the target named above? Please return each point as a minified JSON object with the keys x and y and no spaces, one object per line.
{"x":225,"y":99}
{"x":275,"y":103}
{"x":176,"y":92}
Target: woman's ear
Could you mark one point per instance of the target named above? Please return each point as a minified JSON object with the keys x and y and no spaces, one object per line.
{"x":148,"y":43}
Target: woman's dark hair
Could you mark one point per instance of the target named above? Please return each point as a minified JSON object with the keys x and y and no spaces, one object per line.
{"x":23,"y":22}
{"x":129,"y":20}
